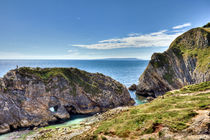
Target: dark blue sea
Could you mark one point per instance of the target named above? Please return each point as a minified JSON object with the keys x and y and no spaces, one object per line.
{"x":126,"y":71}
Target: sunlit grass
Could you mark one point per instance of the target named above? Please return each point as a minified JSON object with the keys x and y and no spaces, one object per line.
{"x":174,"y":112}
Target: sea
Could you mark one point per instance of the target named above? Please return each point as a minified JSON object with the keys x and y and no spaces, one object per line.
{"x":126,"y":71}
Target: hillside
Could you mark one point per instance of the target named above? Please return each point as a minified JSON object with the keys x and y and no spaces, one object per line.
{"x":179,"y":78}
{"x":187,"y":61}
{"x":180,"y":114}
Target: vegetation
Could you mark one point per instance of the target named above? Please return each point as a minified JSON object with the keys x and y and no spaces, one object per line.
{"x":72,"y":75}
{"x":207,"y":25}
{"x":185,"y":50}
{"x":193,"y":88}
{"x":169,"y":77}
{"x":177,"y":52}
{"x":200,"y":54}
{"x":160,"y":60}
{"x":172,"y":111}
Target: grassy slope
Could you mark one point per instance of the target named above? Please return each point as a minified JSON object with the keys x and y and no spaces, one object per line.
{"x":90,"y":82}
{"x":182,"y":50}
{"x":172,"y":111}
{"x":72,"y":75}
{"x":202,"y":54}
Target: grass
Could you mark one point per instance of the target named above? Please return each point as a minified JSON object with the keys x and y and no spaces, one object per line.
{"x":207,"y":25}
{"x":24,"y":136}
{"x":160,"y":60}
{"x":201,"y":54}
{"x":184,"y":51}
{"x":90,"y":82}
{"x":193,"y":88}
{"x":72,"y":75}
{"x":169,"y":75}
{"x":174,"y":112}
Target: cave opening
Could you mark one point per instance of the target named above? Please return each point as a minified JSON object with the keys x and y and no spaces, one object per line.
{"x":71,"y":110}
{"x":54,"y":109}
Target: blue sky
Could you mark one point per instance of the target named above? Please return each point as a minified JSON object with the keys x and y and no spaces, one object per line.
{"x":91,"y":29}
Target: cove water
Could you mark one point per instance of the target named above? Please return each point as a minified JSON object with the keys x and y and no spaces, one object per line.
{"x":126,"y":71}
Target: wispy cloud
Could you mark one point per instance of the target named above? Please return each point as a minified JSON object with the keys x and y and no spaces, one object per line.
{"x":182,"y":26}
{"x":73,"y":52}
{"x":70,"y":51}
{"x":133,"y":34}
{"x":161,"y":38}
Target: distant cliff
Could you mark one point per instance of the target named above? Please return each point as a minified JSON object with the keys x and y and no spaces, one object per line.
{"x":34,"y":96}
{"x":187,"y":61}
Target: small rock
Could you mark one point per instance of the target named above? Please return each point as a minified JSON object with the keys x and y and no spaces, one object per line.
{"x":149,"y":99}
{"x":35,"y":128}
{"x":132,"y":87}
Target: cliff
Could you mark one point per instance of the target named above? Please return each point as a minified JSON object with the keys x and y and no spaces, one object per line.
{"x":178,"y":115}
{"x":187,"y":61}
{"x":35,"y":97}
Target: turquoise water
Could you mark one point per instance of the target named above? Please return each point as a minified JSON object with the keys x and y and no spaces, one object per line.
{"x":125,"y":71}
{"x":75,"y":119}
{"x":5,"y":136}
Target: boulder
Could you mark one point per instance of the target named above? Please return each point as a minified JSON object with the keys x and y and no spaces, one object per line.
{"x":132,"y":87}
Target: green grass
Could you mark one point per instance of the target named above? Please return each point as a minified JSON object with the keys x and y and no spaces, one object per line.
{"x":90,"y":82}
{"x":160,"y":60}
{"x":72,"y":75}
{"x":193,"y":88}
{"x":174,"y":112}
{"x":202,"y":55}
{"x":169,"y":76}
{"x":207,"y":25}
{"x":196,"y":87}
{"x":24,"y":136}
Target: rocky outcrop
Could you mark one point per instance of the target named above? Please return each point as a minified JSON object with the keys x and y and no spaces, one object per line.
{"x":35,"y":97}
{"x":132,"y":87}
{"x":187,"y":61}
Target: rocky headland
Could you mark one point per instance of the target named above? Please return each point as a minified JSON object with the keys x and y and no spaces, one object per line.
{"x":187,"y":61}
{"x":31,"y":97}
{"x":179,"y":114}
{"x":182,"y":114}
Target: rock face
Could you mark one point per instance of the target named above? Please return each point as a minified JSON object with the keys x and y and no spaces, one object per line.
{"x":187,"y":61}
{"x":34,"y":97}
{"x":132,"y":87}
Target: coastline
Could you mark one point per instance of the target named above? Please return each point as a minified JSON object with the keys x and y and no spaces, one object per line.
{"x":70,"y":128}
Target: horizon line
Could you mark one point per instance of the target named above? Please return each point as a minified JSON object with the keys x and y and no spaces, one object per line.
{"x":74,"y":59}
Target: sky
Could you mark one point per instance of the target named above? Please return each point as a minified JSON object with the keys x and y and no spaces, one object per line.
{"x":95,"y":29}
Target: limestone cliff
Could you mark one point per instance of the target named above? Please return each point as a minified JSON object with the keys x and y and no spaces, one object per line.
{"x":34,"y":96}
{"x":187,"y":61}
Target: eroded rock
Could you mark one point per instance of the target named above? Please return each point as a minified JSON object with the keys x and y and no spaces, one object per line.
{"x":132,"y":87}
{"x":185,"y":62}
{"x":35,"y":96}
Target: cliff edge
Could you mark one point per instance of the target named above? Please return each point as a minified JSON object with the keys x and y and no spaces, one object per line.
{"x":187,"y":61}
{"x":35,"y":97}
